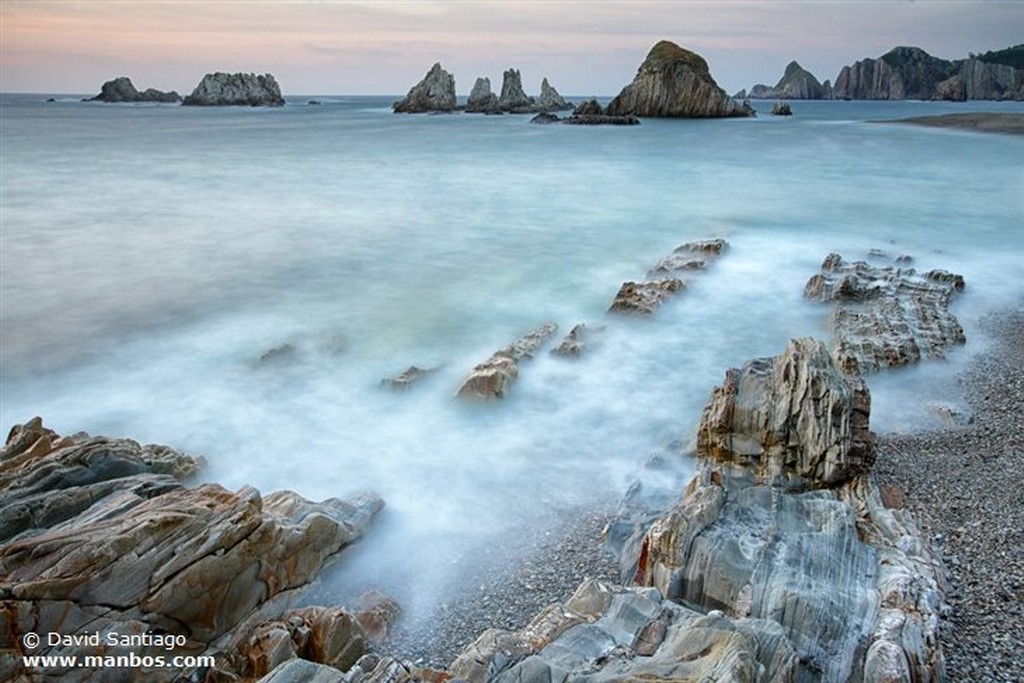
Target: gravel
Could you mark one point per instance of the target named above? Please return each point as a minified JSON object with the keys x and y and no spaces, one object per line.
{"x":963,"y":484}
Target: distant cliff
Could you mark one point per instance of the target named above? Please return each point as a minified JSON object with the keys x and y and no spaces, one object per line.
{"x":910,"y":73}
{"x":122,"y":89}
{"x":674,"y":82}
{"x":223,"y":89}
{"x":797,"y":83}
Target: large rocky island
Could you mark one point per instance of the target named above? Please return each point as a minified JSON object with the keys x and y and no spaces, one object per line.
{"x":237,"y":89}
{"x":674,"y":82}
{"x":121,"y":89}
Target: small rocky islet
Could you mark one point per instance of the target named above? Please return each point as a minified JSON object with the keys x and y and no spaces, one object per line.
{"x":782,"y":560}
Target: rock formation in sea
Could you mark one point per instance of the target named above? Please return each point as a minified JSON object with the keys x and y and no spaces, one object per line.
{"x":237,"y":89}
{"x":101,"y":535}
{"x":782,"y":109}
{"x":481,"y":99}
{"x":492,"y":378}
{"x":513,"y":98}
{"x":783,"y":524}
{"x":674,"y":82}
{"x":549,"y":99}
{"x":797,"y":83}
{"x":644,"y":298}
{"x":407,"y":378}
{"x":886,"y":316}
{"x":121,"y":89}
{"x":911,"y":73}
{"x":436,"y":92}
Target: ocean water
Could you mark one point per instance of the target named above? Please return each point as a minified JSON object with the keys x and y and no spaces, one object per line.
{"x":153,"y":255}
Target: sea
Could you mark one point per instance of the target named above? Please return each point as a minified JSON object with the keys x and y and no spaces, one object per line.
{"x":236,"y":282}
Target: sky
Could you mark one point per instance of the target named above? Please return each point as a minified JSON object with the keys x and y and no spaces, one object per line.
{"x":385,"y":46}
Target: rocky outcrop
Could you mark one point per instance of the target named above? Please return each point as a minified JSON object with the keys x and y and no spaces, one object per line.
{"x":237,"y":89}
{"x":643,"y":298}
{"x":673,"y":82}
{"x":886,"y":316}
{"x":492,"y":378}
{"x":481,"y":99}
{"x":513,"y":98}
{"x":407,"y":378}
{"x":782,"y":525}
{"x":797,"y":83}
{"x":121,"y":89}
{"x":782,"y":109}
{"x":436,"y":92}
{"x":911,"y":73}
{"x":590,"y":107}
{"x":691,"y":256}
{"x":549,"y":99}
{"x":100,"y":535}
{"x":579,"y":338}
{"x":606,"y":633}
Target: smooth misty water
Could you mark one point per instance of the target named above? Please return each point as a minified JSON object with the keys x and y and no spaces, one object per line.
{"x":152,"y":254}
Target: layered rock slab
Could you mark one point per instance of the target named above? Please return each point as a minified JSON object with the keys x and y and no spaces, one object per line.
{"x":674,"y":82}
{"x":100,"y":535}
{"x":886,"y":316}
{"x":783,"y":523}
{"x":491,"y":379}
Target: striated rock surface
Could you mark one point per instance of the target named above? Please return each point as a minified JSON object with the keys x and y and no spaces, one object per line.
{"x":121,"y":89}
{"x":886,"y":316}
{"x":643,"y":298}
{"x":606,"y":633}
{"x":492,"y":378}
{"x":797,"y":83}
{"x":436,"y":92}
{"x":673,"y":82}
{"x":691,"y":256}
{"x":481,"y":99}
{"x":223,"y":89}
{"x":783,"y":525}
{"x":100,"y":535}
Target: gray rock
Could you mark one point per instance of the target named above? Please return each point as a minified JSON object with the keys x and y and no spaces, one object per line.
{"x":643,"y":298}
{"x":481,"y":99}
{"x":513,"y":98}
{"x":436,"y":92}
{"x":590,"y":107}
{"x":797,"y":83}
{"x":121,"y":89}
{"x":673,"y":82}
{"x":237,"y":89}
{"x":303,"y":671}
{"x":550,"y":100}
{"x":407,"y":378}
{"x":782,"y":109}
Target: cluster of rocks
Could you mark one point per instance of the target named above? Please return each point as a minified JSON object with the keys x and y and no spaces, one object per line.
{"x":122,"y":89}
{"x":643,"y":298}
{"x":490,"y":380}
{"x":886,"y":316}
{"x":101,"y":536}
{"x":588,"y":113}
{"x":215,"y":89}
{"x":671,"y":82}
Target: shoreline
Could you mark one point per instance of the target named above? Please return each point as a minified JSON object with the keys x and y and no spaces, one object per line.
{"x":1006,"y":123}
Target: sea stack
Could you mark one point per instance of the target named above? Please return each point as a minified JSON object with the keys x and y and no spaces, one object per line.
{"x":436,"y":92}
{"x":797,"y":83}
{"x":481,"y":99}
{"x":674,"y":82}
{"x":121,"y":89}
{"x":238,"y":89}
{"x":513,"y":98}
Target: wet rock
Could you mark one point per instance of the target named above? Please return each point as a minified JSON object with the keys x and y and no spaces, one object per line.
{"x":590,"y":107}
{"x":885,"y":316}
{"x":691,"y":256}
{"x":102,"y":535}
{"x":674,"y":82}
{"x":601,"y":120}
{"x":122,"y":89}
{"x":436,"y":92}
{"x":578,"y":338}
{"x":407,"y":378}
{"x":492,"y":378}
{"x":545,"y":117}
{"x":782,"y":109}
{"x":237,"y":89}
{"x":643,"y":298}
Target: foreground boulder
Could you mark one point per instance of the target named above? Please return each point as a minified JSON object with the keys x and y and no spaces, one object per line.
{"x":783,"y":524}
{"x":673,"y":82}
{"x":886,"y":316}
{"x":101,"y":536}
{"x":492,"y":378}
{"x":436,"y":92}
{"x":238,"y":89}
{"x":122,"y":89}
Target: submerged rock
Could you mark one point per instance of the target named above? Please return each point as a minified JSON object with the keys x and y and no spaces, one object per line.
{"x":121,"y":89}
{"x":886,"y":316}
{"x":643,"y":298}
{"x":782,"y":524}
{"x":578,"y":338}
{"x":101,"y":534}
{"x":691,"y":256}
{"x":237,"y":89}
{"x":673,"y":82}
{"x":407,"y":378}
{"x":492,"y":378}
{"x":436,"y":92}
